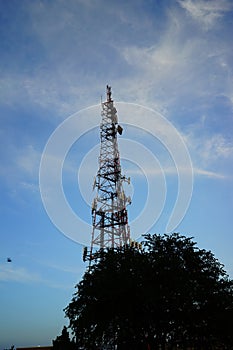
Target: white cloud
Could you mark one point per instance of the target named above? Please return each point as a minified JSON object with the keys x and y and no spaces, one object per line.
{"x":67,"y":269}
{"x":17,"y":274}
{"x":210,"y":149}
{"x":206,"y":12}
{"x":173,"y":172}
{"x":209,"y":174}
{"x":28,"y":161}
{"x":217,"y":147}
{"x":11,"y":273}
{"x":211,"y":154}
{"x":178,"y":66}
{"x":183,"y":70}
{"x":31,"y":187}
{"x":55,"y":92}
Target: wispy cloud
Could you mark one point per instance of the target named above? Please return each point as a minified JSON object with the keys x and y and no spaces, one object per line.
{"x":17,"y":274}
{"x":210,"y":174}
{"x":206,"y":12}
{"x":62,"y":268}
{"x":24,"y":276}
{"x":209,"y":150}
{"x":215,"y":148}
{"x":20,"y":169}
{"x":172,"y":171}
{"x":179,"y":70}
{"x":28,"y":160}
{"x":171,"y":71}
{"x":30,"y":187}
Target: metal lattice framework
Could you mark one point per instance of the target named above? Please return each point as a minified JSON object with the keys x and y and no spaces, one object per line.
{"x":109,"y":213}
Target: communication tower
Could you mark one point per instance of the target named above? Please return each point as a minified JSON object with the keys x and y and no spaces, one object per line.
{"x":110,"y":227}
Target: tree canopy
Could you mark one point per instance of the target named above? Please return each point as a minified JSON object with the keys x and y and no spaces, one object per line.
{"x":166,"y":295}
{"x":63,"y":342}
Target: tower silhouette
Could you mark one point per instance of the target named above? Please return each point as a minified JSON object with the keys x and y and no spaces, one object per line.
{"x":110,"y":227}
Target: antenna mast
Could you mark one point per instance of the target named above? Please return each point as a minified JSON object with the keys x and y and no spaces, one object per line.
{"x":110,"y":227}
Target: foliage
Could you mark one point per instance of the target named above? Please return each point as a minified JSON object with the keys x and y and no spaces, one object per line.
{"x":63,"y":342}
{"x":166,"y":295}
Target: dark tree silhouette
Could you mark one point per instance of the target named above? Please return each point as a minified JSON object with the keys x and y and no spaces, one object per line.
{"x":170,"y":294}
{"x":63,"y":342}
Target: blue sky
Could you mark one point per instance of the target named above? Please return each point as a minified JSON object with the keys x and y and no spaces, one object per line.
{"x":173,"y":57}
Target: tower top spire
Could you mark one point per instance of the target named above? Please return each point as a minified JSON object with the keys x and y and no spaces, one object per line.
{"x":109,"y":93}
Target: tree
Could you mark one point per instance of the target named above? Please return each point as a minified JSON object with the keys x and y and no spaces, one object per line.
{"x":166,"y":295}
{"x":63,"y":342}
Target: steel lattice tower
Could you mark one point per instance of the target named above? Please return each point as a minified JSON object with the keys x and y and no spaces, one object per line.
{"x":110,"y":227}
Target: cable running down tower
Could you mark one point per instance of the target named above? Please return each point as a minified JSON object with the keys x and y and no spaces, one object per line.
{"x":110,"y":227}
